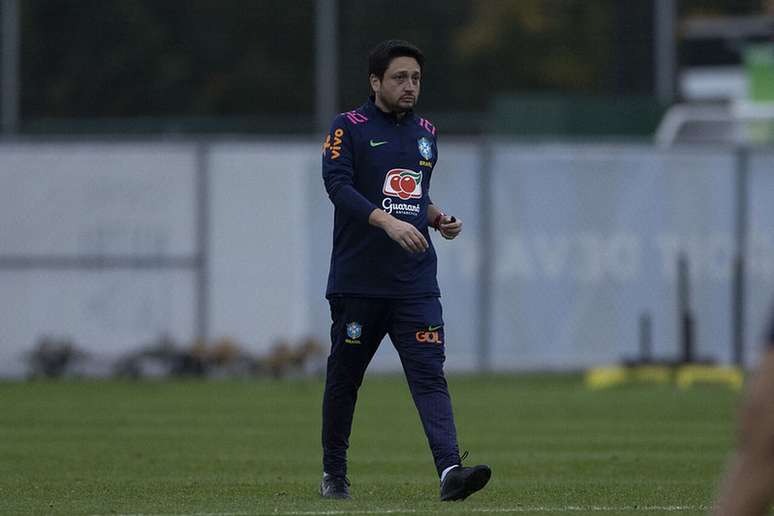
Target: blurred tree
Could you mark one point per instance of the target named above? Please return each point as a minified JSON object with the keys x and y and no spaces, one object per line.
{"x":538,"y":44}
{"x":188,"y":57}
{"x":479,"y":48}
{"x":241,"y":58}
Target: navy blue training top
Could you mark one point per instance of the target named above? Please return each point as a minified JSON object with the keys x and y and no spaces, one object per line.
{"x":372,"y":159}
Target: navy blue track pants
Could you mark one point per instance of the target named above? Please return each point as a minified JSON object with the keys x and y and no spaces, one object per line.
{"x":415,"y":327}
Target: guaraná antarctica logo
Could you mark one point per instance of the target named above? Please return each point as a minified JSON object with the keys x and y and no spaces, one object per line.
{"x":404,"y":184}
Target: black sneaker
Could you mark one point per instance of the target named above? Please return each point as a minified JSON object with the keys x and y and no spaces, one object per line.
{"x":462,"y":482}
{"x":334,"y":487}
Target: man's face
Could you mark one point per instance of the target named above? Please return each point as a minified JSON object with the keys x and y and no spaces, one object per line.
{"x":398,"y":90}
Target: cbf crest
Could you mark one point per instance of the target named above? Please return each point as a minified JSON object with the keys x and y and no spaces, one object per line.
{"x":425,"y":148}
{"x":354,"y":330}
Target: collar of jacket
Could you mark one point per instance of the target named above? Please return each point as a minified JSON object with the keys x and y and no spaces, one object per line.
{"x":373,"y":109}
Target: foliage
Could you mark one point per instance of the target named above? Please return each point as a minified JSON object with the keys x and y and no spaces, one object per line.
{"x":255,"y":60}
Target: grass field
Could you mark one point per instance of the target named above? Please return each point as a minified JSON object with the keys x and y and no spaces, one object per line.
{"x":253,"y":448}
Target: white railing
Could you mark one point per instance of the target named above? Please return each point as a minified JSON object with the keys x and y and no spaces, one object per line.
{"x":726,"y":123}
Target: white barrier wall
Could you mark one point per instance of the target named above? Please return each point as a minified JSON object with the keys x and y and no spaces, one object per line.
{"x":585,"y":239}
{"x":62,"y":204}
{"x":590,"y":241}
{"x":259,"y":242}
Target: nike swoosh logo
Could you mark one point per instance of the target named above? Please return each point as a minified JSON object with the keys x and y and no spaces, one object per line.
{"x":376,"y":144}
{"x":433,"y":328}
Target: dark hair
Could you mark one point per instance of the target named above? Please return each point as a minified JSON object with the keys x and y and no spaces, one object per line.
{"x":382,"y":55}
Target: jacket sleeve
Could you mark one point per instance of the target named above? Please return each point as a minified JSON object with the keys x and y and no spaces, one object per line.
{"x":339,"y":174}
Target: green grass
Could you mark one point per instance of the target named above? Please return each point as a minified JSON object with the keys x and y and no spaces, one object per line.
{"x":254,"y":447}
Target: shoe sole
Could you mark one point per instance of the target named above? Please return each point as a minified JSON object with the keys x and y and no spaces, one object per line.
{"x":475,"y":482}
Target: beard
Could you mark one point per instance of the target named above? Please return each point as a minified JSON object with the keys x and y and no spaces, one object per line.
{"x":400,"y":105}
{"x":404,"y":105}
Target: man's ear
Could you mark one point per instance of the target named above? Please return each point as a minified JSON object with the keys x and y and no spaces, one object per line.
{"x":374,"y":81}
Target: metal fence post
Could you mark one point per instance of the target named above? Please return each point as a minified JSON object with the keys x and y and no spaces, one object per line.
{"x":740,"y":254}
{"x":486,"y":256}
{"x":202,"y":210}
{"x":325,"y":62}
{"x":9,"y":66}
{"x":664,"y":14}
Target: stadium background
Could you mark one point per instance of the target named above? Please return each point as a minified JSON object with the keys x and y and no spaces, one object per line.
{"x":160,"y":175}
{"x":162,"y":216}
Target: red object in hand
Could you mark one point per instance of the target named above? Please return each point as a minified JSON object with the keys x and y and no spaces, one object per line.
{"x":437,"y":221}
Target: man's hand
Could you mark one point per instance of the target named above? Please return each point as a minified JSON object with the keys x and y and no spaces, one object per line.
{"x":406,"y":235}
{"x":450,"y":227}
{"x":403,"y":233}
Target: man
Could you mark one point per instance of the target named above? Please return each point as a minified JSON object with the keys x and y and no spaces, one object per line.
{"x":377,"y":163}
{"x":748,"y":486}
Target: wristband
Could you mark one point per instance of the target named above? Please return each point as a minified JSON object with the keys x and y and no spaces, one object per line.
{"x":437,"y":221}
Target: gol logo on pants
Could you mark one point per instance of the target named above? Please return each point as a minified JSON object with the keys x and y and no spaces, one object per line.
{"x":432,"y":337}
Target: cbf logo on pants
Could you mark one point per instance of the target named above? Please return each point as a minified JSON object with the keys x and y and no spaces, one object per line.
{"x":354,"y":330}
